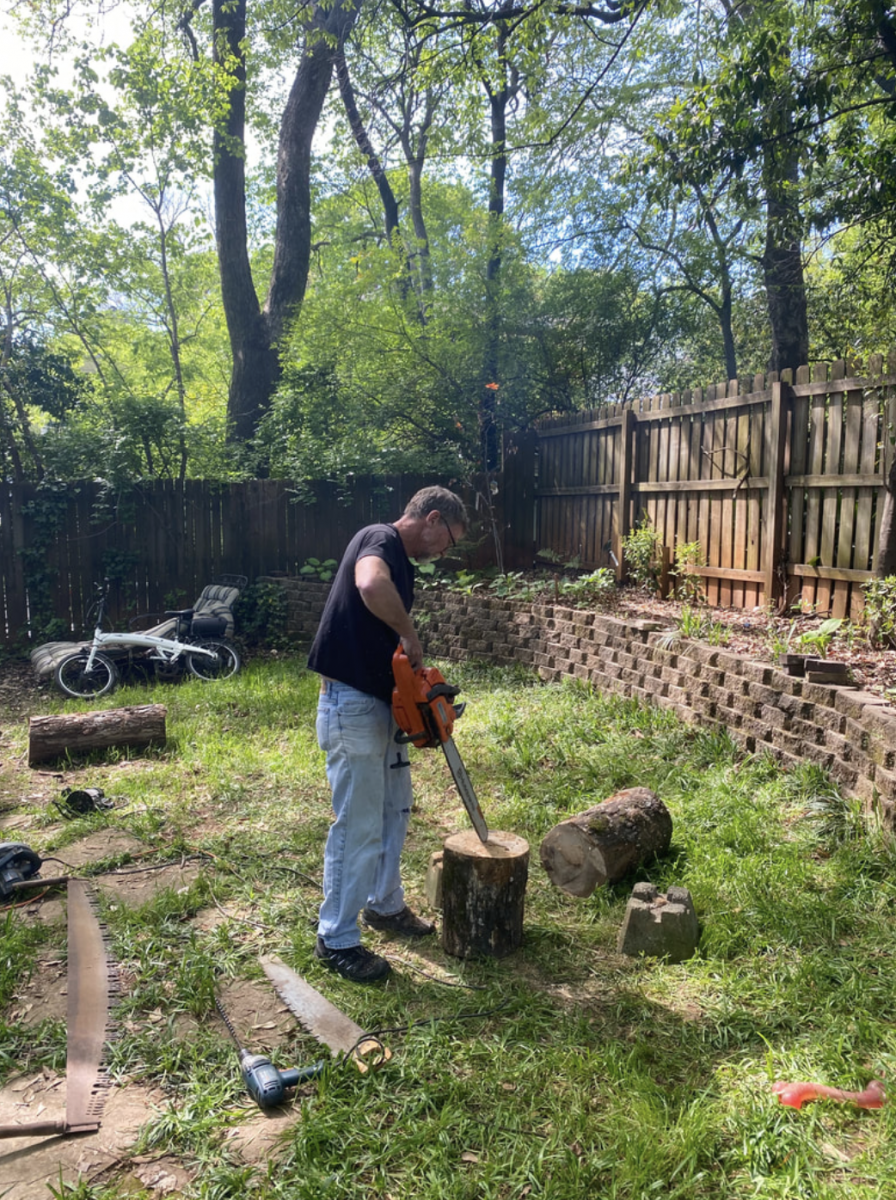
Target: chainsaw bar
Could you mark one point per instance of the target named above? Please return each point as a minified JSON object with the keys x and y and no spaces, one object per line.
{"x":465,"y":788}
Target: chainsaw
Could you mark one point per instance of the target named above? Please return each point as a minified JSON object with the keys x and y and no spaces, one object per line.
{"x":425,"y":712}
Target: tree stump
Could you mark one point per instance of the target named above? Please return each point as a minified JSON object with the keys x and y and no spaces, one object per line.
{"x":483,"y":893}
{"x":76,"y":733}
{"x":603,"y":843}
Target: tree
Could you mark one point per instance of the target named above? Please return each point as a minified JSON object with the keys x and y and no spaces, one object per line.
{"x":256,"y":330}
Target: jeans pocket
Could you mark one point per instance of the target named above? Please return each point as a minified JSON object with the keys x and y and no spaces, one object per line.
{"x":355,"y":704}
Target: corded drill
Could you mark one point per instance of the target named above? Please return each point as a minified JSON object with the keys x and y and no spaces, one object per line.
{"x":265,"y":1083}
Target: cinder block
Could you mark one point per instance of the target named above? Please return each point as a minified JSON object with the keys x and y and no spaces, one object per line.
{"x":661,"y":926}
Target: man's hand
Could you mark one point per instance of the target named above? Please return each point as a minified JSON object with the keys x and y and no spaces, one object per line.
{"x":414,"y":651}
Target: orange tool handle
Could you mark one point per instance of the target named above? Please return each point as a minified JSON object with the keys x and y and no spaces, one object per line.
{"x":422,"y":703}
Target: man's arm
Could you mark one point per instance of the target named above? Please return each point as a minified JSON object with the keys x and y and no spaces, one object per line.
{"x":373,"y":579}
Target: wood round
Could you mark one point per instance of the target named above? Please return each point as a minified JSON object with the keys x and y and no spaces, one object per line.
{"x":483,"y":894}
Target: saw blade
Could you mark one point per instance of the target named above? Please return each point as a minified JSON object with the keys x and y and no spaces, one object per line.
{"x":322,"y":1019}
{"x":92,"y":984}
{"x":316,"y":1013}
{"x":465,"y":788}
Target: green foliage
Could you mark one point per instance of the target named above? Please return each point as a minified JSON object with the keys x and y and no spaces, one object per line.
{"x":818,"y":641}
{"x":641,"y":548}
{"x":879,"y":611}
{"x":324,"y":571}
{"x":260,"y":615}
{"x":688,"y":586}
{"x":591,"y":588}
{"x":699,"y":625}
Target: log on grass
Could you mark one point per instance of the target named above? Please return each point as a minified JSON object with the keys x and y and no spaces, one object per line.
{"x":483,"y":893}
{"x":603,"y":843}
{"x":135,"y":726}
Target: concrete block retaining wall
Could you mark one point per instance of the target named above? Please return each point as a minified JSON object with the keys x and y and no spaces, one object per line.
{"x":850,"y":733}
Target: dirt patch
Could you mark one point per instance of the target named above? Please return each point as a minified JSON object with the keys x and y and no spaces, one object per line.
{"x":29,"y":1165}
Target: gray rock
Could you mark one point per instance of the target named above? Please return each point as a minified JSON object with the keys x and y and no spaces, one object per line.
{"x":660,"y":926}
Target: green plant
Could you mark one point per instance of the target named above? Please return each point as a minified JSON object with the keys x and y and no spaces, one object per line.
{"x":879,"y":612}
{"x":818,"y":641}
{"x":324,"y":571}
{"x":641,"y":549}
{"x":688,"y":585}
{"x":571,"y":564}
{"x":588,"y":588}
{"x":260,"y":615}
{"x":698,"y":626}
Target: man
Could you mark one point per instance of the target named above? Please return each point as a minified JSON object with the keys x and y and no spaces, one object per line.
{"x":367,"y":612}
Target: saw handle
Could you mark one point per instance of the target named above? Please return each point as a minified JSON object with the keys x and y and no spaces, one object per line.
{"x":422,"y":703}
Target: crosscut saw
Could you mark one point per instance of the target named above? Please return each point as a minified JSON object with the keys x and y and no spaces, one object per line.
{"x":322,"y":1019}
{"x":424,"y":709}
{"x":92,"y":985}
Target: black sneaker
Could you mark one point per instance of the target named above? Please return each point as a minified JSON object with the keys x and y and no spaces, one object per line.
{"x":353,"y":962}
{"x":405,"y":923}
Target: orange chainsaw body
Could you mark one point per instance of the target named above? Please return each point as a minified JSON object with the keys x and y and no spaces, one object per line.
{"x":422,"y":703}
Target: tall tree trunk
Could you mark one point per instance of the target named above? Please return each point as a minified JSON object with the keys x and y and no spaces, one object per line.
{"x":255,"y":367}
{"x":782,"y":262}
{"x":359,"y":132}
{"x":292,"y":245}
{"x":499,"y":97}
{"x":255,"y":331}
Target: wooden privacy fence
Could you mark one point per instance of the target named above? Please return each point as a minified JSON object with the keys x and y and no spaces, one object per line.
{"x":780,"y":480}
{"x":162,"y":542}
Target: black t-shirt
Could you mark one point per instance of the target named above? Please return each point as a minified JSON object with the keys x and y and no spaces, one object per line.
{"x":351,"y":644}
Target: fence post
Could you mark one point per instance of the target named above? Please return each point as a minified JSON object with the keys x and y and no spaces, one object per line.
{"x":776,"y":519}
{"x":623,"y":515}
{"x":518,"y":530}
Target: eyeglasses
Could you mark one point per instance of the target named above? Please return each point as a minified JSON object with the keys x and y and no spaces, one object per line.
{"x":450,"y":534}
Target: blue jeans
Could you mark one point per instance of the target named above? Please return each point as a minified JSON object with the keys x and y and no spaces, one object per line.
{"x":370,"y":778}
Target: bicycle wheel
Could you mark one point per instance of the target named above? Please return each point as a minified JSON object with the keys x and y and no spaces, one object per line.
{"x":73,"y":678}
{"x":226,"y":661}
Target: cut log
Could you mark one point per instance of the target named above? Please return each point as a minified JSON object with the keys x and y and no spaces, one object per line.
{"x":605,"y":842}
{"x":483,"y":894}
{"x":77,"y":733}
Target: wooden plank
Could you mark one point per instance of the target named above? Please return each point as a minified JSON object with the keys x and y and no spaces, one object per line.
{"x":830,"y":504}
{"x":848,"y":383}
{"x":876,"y":435}
{"x":852,"y":442}
{"x":723,"y":403}
{"x":676,"y":486}
{"x":741,"y":469}
{"x":624,"y":464}
{"x":799,"y":445}
{"x":753,"y":498}
{"x":815,"y":464}
{"x":848,"y":573}
{"x":729,"y":471}
{"x":738,"y":574}
{"x":776,"y":515}
{"x":835,"y":482}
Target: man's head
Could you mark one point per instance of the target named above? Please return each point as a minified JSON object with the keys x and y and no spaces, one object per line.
{"x":433,"y":521}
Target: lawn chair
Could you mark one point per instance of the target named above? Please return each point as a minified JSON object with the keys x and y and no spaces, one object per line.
{"x":214,"y":604}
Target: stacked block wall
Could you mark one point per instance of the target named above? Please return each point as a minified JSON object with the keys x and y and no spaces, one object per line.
{"x":850,"y":733}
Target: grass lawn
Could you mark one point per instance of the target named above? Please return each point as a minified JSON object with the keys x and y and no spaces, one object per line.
{"x":562,"y":1071}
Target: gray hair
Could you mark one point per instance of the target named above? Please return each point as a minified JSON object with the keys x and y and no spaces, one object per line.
{"x":449,"y":506}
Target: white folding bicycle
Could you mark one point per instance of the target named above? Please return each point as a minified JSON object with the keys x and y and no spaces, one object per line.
{"x":91,"y":670}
